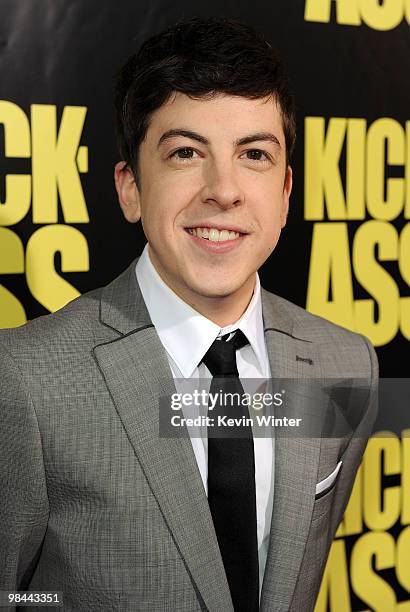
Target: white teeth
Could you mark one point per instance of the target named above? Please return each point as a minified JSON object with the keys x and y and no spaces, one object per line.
{"x":213,"y":234}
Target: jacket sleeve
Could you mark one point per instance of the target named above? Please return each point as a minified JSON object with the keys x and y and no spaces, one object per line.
{"x":353,"y":454}
{"x":24,"y":508}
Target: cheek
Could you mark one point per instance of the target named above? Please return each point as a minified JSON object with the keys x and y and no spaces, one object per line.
{"x":179,"y":183}
{"x":269,"y":214}
{"x":159,"y":222}
{"x":276,"y":207}
{"x":168,"y":198}
{"x":270,"y":220}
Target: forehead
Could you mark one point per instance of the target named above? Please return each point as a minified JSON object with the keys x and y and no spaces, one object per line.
{"x":219,"y":116}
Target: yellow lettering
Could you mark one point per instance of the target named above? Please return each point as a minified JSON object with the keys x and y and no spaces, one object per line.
{"x":377,"y":14}
{"x":322,"y":174}
{"x":403,"y":559}
{"x":407,"y":168}
{"x":376,"y":281}
{"x":378,"y":206}
{"x":50,"y":289}
{"x":12,"y":313}
{"x":330,"y":272}
{"x":367,"y":585}
{"x":385,"y":16}
{"x":381,"y":507}
{"x":57,"y":162}
{"x":405,"y":478}
{"x":319,"y":10}
{"x":355,"y":168}
{"x":16,"y":144}
{"x":404,"y":266}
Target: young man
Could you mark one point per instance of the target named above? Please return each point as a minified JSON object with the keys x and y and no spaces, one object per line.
{"x":95,"y":503}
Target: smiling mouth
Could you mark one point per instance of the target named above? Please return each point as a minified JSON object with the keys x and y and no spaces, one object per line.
{"x":212,"y":234}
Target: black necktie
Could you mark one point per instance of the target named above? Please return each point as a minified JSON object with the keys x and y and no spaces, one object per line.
{"x":231,"y":478}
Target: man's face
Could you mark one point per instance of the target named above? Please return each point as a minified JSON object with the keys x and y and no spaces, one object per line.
{"x":210,"y":170}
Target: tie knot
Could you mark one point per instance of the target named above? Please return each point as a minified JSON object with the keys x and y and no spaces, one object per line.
{"x":220,"y":359}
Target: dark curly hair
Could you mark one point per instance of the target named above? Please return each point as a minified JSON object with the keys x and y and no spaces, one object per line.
{"x":200,"y":58}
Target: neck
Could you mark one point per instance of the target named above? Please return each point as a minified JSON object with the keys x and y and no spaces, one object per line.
{"x":222,"y":310}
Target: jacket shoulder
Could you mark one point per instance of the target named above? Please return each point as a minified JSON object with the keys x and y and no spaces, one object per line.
{"x":341,"y":349}
{"x":76,"y":321}
{"x":308,"y":326}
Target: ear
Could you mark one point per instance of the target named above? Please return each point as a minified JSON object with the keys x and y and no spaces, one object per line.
{"x":128,"y":193}
{"x":287,"y":189}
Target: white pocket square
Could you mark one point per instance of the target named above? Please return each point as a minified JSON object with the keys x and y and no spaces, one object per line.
{"x":329,"y":480}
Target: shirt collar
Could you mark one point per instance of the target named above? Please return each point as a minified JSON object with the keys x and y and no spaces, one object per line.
{"x":175,"y":321}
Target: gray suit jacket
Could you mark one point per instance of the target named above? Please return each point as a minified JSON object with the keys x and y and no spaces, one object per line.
{"x":95,"y":504}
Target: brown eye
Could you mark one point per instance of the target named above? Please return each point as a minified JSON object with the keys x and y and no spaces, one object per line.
{"x":184,"y":153}
{"x":256,"y":155}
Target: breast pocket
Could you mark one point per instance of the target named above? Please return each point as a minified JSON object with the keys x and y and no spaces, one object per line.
{"x":324,"y":493}
{"x":328,"y":483}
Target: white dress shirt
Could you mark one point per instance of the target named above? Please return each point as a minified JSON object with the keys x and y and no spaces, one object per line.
{"x":175,"y":322}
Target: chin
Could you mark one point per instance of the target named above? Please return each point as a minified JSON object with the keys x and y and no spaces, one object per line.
{"x":217,"y":290}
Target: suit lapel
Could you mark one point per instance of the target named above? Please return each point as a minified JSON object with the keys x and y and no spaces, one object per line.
{"x":296,"y":461}
{"x":136,"y":370}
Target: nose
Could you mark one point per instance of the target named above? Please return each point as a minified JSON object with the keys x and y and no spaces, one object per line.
{"x":221,"y":185}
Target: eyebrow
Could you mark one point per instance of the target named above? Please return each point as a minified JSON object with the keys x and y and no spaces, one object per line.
{"x":257,"y":137}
